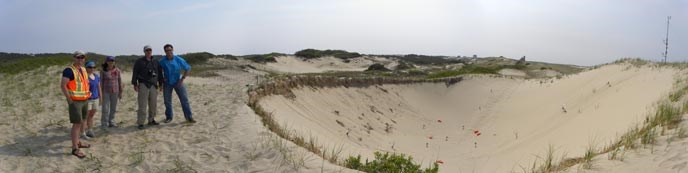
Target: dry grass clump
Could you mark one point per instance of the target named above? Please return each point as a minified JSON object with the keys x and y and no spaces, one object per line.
{"x":667,"y":116}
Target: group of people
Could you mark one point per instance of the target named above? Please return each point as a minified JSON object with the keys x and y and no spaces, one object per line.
{"x":84,"y":88}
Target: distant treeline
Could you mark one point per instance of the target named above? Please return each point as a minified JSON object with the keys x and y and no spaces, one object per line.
{"x":341,"y":54}
{"x":17,"y":62}
{"x":13,"y":63}
{"x":314,"y":53}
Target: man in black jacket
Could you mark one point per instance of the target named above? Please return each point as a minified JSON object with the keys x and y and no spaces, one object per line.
{"x":147,"y":81}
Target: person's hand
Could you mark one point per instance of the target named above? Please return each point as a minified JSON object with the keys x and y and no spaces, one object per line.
{"x":136,"y":88}
{"x":160,"y":88}
{"x":180,"y":82}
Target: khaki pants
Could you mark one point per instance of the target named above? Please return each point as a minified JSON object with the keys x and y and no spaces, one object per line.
{"x":147,"y":97}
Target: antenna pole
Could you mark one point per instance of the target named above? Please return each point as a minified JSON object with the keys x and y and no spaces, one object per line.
{"x":666,"y":41}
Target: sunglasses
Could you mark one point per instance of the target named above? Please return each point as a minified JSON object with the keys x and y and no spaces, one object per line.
{"x":80,"y":57}
{"x":148,"y":50}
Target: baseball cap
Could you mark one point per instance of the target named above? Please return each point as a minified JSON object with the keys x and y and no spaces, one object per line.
{"x":91,"y":64}
{"x":79,"y":53}
{"x":110,"y":58}
{"x":146,"y":47}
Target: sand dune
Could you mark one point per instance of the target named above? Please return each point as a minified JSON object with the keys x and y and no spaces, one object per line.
{"x":228,"y":137}
{"x":292,"y":64}
{"x":517,"y":119}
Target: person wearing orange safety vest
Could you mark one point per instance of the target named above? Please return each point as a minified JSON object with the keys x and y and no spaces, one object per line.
{"x":75,"y":88}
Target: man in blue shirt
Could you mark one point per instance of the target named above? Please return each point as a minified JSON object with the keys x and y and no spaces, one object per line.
{"x":172,"y":65}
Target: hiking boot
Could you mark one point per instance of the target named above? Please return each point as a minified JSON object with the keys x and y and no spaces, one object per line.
{"x":90,"y":134}
{"x":113,"y":125}
{"x":168,"y":120}
{"x":153,"y":123}
{"x":141,"y":127}
{"x":191,"y":120}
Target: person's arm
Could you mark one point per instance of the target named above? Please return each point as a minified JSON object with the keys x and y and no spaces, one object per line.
{"x":186,"y":68}
{"x":63,"y":86}
{"x":164,"y":73}
{"x":100,"y":92}
{"x":134,"y":73}
{"x":102,"y":82}
{"x":160,"y":75}
{"x":119,"y":81}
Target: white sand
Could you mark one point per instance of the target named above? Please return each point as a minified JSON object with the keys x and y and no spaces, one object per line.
{"x":518,"y":119}
{"x":512,"y":72}
{"x":228,"y":137}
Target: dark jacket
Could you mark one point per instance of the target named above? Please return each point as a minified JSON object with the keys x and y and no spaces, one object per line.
{"x":147,"y":72}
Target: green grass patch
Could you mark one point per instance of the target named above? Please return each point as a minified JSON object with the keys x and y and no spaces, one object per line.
{"x":388,"y":163}
{"x":468,"y":69}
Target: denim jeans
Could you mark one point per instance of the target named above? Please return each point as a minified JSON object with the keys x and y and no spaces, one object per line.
{"x":109,"y":109}
{"x":183,"y":98}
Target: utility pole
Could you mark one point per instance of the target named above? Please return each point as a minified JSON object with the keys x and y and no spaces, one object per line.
{"x":666,"y":41}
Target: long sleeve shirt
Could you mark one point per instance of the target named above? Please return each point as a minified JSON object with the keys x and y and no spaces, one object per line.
{"x":146,"y":72}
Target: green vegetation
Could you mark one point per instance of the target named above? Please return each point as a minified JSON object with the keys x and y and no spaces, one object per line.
{"x":377,"y":67}
{"x":676,"y":95}
{"x":263,"y":58}
{"x":423,"y":59}
{"x":197,"y":58}
{"x":467,"y":69}
{"x":314,"y":53}
{"x":636,"y":62}
{"x":13,"y":63}
{"x":404,"y":66}
{"x":388,"y":163}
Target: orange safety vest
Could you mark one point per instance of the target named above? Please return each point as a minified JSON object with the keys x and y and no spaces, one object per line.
{"x":78,"y":88}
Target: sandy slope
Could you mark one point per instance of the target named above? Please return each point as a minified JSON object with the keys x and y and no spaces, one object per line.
{"x":229,"y":137}
{"x":669,"y":155}
{"x":517,"y":119}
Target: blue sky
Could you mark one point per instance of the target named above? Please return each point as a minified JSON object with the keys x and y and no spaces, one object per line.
{"x":583,"y":32}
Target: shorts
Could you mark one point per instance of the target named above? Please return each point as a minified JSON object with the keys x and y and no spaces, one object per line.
{"x":78,"y":111}
{"x":92,"y":104}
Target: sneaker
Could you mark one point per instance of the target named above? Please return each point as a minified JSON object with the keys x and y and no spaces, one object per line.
{"x":113,"y":125}
{"x":141,"y":127}
{"x":153,"y":123}
{"x":85,"y":137}
{"x":168,"y":120}
{"x":90,"y":134}
{"x":191,"y":120}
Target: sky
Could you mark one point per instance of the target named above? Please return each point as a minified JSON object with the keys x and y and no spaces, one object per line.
{"x":581,"y":32}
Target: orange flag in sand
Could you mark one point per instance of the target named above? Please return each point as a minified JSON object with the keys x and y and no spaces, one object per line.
{"x":476,"y":132}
